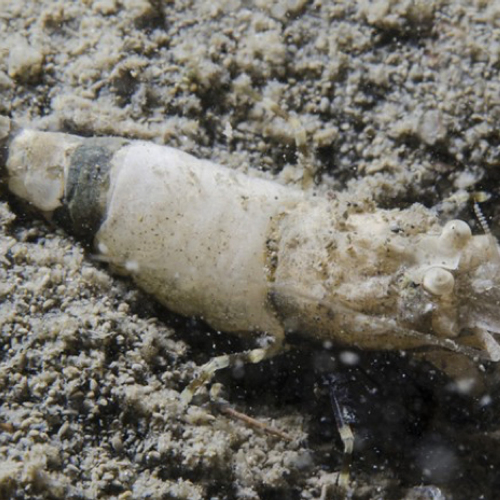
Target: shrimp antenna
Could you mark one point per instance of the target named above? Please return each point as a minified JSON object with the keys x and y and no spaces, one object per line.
{"x":476,"y":197}
{"x":480,"y":217}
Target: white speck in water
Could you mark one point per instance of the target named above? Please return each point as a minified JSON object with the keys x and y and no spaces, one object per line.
{"x":486,"y":400}
{"x":102,"y":248}
{"x":349,"y":358}
{"x":327,"y":344}
{"x":463,"y":385}
{"x":132,"y":266}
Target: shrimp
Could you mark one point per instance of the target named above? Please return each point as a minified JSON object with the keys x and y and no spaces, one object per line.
{"x":253,"y":257}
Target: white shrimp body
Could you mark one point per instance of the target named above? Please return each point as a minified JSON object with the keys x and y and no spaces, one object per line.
{"x":249,"y":255}
{"x":196,"y":232}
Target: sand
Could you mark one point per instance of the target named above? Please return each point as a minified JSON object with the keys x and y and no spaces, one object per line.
{"x":398,"y":102}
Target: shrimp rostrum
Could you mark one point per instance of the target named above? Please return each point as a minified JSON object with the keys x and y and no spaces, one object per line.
{"x":251,"y":256}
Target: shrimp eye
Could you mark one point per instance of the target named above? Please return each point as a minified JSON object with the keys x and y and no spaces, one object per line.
{"x":456,"y":233}
{"x":438,"y":281}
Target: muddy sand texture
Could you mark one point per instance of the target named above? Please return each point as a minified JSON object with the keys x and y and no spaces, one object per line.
{"x":399,"y":101}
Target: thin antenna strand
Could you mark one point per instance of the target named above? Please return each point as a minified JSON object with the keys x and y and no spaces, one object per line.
{"x":481,"y":218}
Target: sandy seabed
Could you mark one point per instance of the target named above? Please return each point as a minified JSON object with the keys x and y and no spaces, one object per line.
{"x":399,"y":102}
